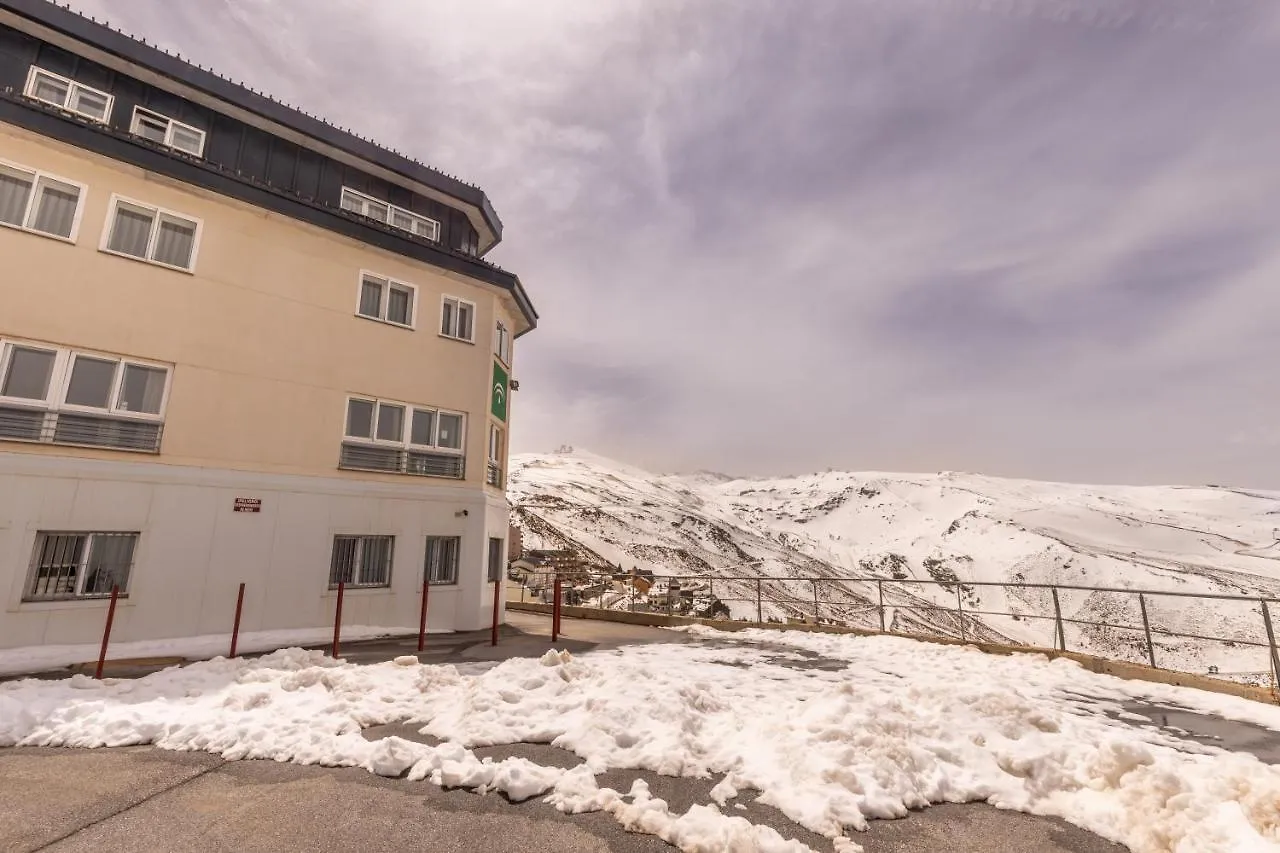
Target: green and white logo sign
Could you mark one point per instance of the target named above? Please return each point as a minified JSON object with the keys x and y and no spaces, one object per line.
{"x":500,"y":389}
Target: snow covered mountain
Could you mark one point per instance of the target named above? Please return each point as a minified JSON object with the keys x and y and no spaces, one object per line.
{"x":837,"y":533}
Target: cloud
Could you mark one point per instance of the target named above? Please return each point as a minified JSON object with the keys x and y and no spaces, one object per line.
{"x":1029,"y":237}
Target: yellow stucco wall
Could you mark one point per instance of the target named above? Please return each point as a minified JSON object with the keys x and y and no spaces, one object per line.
{"x":264,"y":336}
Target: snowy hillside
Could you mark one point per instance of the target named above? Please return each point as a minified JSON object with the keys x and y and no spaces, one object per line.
{"x":955,"y":530}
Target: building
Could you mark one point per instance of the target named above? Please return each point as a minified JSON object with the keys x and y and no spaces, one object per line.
{"x":237,"y":345}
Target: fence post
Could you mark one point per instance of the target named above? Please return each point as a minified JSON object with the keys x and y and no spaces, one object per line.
{"x":1057,"y":620}
{"x":815,"y":601}
{"x":555,"y":608}
{"x":1271,"y":642}
{"x":422,"y":617}
{"x":631,"y":595}
{"x":235,"y":626}
{"x":106,"y":633}
{"x":1146,"y":627}
{"x":497,"y":596}
{"x":337,"y":621}
{"x":960,"y":612}
{"x":759,"y":602}
{"x":880,"y":594}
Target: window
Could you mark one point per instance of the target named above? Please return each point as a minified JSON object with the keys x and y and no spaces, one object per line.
{"x":61,"y":396}
{"x":34,"y":201}
{"x":495,"y":559}
{"x":402,"y":438}
{"x":361,"y":561}
{"x":151,"y":234}
{"x":502,"y":342}
{"x":457,"y":319}
{"x":493,"y":473}
{"x":386,"y":300}
{"x":441,"y":567}
{"x":396,"y":217}
{"x":80,"y":565}
{"x":68,"y":95}
{"x":163,"y":130}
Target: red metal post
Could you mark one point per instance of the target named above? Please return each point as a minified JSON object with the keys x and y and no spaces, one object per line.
{"x":106,"y":633}
{"x":235,"y":628}
{"x":497,"y":592}
{"x":555,"y":611}
{"x":422,"y":618}
{"x":337,"y":620}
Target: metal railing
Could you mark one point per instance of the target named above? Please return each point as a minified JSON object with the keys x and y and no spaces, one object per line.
{"x":395,"y":460}
{"x":79,"y":429}
{"x":1137,"y":625}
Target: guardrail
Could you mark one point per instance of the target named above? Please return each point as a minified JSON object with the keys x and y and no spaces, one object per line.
{"x":1135,"y":625}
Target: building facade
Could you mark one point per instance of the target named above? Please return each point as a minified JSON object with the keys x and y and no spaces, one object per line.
{"x":237,"y":345}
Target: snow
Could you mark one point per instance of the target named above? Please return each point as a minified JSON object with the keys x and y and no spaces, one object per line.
{"x":897,"y":725}
{"x":25,"y":659}
{"x":905,"y":528}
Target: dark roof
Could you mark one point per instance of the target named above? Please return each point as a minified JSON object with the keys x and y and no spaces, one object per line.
{"x":138,"y":52}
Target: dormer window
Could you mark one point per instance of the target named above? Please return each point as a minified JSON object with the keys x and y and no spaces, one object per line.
{"x":162,"y":130}
{"x":397,"y":217}
{"x":66,"y":94}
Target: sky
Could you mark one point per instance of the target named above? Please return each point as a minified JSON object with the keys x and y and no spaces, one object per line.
{"x":1031,"y":238}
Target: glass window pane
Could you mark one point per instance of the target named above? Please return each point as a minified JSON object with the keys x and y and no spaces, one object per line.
{"x":88,"y":103}
{"x":142,"y":389}
{"x":450,"y":431}
{"x":375,"y":210}
{"x":446,"y":322}
{"x":91,"y":380}
{"x":188,"y":139}
{"x":55,"y":209}
{"x":421,"y":429}
{"x":371,"y":297}
{"x":57,"y":565}
{"x":400,"y":219}
{"x":175,"y":242}
{"x":464,"y":321}
{"x":360,"y":419}
{"x":352,"y":202}
{"x":28,"y":374}
{"x":150,"y":127}
{"x":131,"y":231}
{"x":15,"y":189}
{"x":51,"y":89}
{"x":390,"y":422}
{"x":342,"y":566}
{"x":399,"y":307}
{"x":375,"y":560}
{"x":110,"y":557}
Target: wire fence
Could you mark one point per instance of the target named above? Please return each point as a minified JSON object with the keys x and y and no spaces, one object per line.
{"x":1232,"y":637}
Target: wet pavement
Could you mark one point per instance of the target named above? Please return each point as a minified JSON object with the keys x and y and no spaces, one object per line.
{"x":1194,"y":727}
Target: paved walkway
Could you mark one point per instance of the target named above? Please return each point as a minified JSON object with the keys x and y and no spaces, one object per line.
{"x":144,"y":799}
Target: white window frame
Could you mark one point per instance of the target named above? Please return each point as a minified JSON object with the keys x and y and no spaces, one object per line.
{"x":387,"y":284}
{"x":60,"y":381}
{"x":72,"y":87}
{"x":450,"y":579}
{"x":82,"y":565}
{"x":406,"y":427}
{"x":429,"y":224}
{"x":358,"y":560}
{"x":37,"y":176}
{"x":171,"y":125}
{"x":451,"y":335}
{"x":502,"y":342}
{"x":496,"y":447}
{"x":158,"y":213}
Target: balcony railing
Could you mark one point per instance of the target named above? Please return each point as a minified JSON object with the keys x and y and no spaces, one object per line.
{"x":395,"y":460}
{"x":493,"y":475}
{"x":79,"y":430}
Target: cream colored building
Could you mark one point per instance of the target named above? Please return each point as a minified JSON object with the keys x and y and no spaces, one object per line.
{"x":237,"y":345}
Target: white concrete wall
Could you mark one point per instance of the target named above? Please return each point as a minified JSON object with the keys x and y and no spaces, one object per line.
{"x":195,"y":550}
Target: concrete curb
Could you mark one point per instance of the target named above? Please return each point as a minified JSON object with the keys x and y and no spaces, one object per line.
{"x":1104,"y":666}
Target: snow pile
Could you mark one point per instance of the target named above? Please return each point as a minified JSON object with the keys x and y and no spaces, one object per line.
{"x":883,"y":726}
